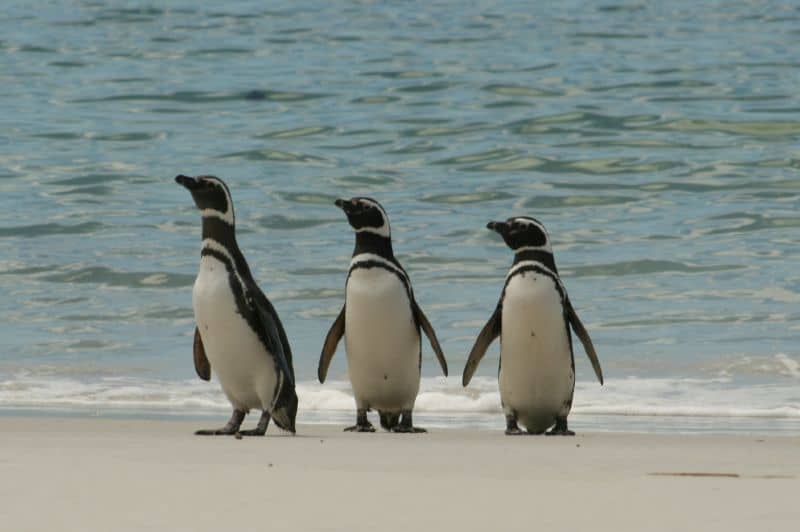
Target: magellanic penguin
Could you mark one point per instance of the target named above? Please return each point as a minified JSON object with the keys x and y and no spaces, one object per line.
{"x":381,"y":323}
{"x":238,"y":335}
{"x":532,"y":319}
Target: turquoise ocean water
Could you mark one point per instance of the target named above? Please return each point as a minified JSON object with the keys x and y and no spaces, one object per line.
{"x":660,"y":144}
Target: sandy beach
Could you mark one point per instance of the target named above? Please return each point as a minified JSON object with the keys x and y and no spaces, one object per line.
{"x":88,"y":474}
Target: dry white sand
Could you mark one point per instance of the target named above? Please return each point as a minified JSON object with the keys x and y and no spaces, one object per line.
{"x":118,"y":475}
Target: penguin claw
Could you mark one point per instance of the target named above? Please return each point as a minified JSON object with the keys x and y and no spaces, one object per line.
{"x":560,"y":428}
{"x":516,"y":431}
{"x":360,"y":428}
{"x":560,"y":432}
{"x":252,"y":432}
{"x":400,"y":429}
{"x":215,"y":432}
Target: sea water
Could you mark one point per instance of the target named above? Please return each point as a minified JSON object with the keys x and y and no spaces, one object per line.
{"x":659,"y":145}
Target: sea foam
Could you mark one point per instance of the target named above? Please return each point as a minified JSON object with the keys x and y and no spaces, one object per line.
{"x":715,"y":398}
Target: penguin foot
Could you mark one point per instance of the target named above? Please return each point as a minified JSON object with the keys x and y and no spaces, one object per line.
{"x":253,"y":432}
{"x":224,"y":431}
{"x":557,"y":432}
{"x":400,"y":429}
{"x":362,"y":423}
{"x":230,"y":428}
{"x":406,"y":425}
{"x":360,"y":428}
{"x":560,"y":429}
{"x":261,"y":428}
{"x":512,"y":429}
{"x":389,"y":420}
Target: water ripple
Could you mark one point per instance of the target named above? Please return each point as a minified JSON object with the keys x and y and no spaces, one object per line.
{"x":306,"y":131}
{"x":646,"y":267}
{"x":50,"y":229}
{"x":104,"y":275}
{"x":746,"y":222}
{"x":279,"y":222}
{"x":468,"y":197}
{"x":558,"y":202}
{"x":277,"y":155}
{"x":520,"y":90}
{"x":209,"y":97}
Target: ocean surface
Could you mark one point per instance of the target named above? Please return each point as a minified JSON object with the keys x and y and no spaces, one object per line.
{"x":660,"y":145}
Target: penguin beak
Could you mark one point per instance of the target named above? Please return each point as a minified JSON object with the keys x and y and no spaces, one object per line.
{"x":345,"y":205}
{"x":498,"y":227}
{"x":189,"y":183}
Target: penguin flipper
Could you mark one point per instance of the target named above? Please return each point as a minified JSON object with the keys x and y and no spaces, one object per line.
{"x":201,"y":365}
{"x":329,"y":347}
{"x":270,"y":324}
{"x":487,"y":335}
{"x":423,"y":322}
{"x":581,"y":332}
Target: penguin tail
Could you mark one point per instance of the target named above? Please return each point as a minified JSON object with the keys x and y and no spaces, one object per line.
{"x":389,"y":420}
{"x":285,"y":410}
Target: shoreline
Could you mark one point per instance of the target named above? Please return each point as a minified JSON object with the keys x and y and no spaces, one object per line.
{"x":484,"y":422}
{"x":126,"y":474}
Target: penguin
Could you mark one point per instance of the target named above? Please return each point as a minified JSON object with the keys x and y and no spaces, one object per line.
{"x":238,"y":334}
{"x":381,"y":323}
{"x":533,"y":319}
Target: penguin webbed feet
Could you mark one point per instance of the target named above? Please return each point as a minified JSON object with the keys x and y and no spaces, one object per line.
{"x":389,"y":420}
{"x":362,"y":423}
{"x":230,"y":428}
{"x":409,"y":430}
{"x":406,"y":426}
{"x":512,"y":429}
{"x":360,"y":428}
{"x":560,"y":429}
{"x":261,"y":428}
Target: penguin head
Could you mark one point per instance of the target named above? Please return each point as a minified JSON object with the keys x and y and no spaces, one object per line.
{"x":523,"y":233}
{"x":365,"y":215}
{"x":211,"y":195}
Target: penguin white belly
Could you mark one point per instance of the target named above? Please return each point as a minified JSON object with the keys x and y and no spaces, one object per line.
{"x":536,"y":374}
{"x":243,"y":366}
{"x":381,"y":340}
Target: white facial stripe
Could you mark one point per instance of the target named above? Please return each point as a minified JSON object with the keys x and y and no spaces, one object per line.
{"x":226,"y":216}
{"x":367,"y":257}
{"x":375,"y":204}
{"x":546,"y":247}
{"x":382,"y":230}
{"x":528,"y":222}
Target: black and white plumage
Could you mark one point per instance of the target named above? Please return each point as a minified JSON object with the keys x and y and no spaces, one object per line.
{"x":533,"y":319}
{"x":381,"y":323}
{"x":238,"y":335}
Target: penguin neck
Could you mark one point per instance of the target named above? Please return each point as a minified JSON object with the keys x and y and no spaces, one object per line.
{"x":221,"y":232}
{"x":536,"y":255}
{"x":373,"y":243}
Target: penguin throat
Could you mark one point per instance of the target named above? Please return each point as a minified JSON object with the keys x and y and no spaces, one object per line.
{"x":373,"y":243}
{"x":220,"y":231}
{"x":536,"y":255}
